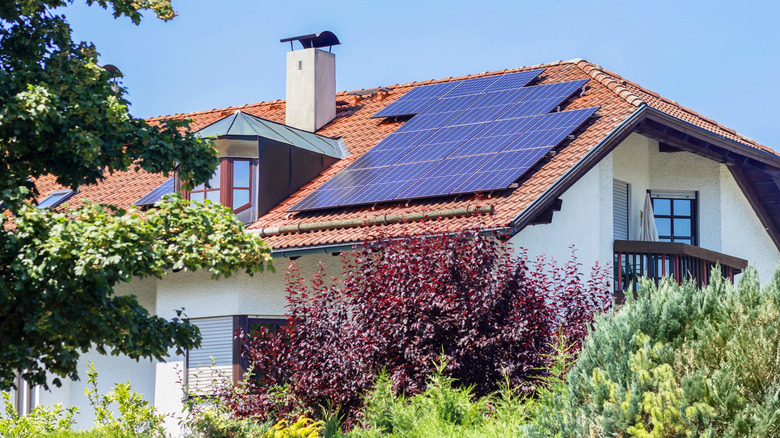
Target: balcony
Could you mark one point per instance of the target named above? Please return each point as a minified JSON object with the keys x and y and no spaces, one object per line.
{"x":680,"y":261}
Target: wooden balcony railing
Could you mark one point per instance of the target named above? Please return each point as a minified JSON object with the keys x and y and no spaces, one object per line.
{"x":680,"y":261}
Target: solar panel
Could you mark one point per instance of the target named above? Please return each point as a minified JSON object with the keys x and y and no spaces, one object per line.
{"x":476,"y":115}
{"x":496,"y":136}
{"x":381,"y":158}
{"x":551,"y":129}
{"x":158,"y":193}
{"x":514,"y":80}
{"x":501,"y":170}
{"x":421,"y":122}
{"x":338,"y":188}
{"x":445,"y":177}
{"x":450,"y":104}
{"x":472,"y":86}
{"x":478,"y":135}
{"x":501,"y":97}
{"x":387,"y":185}
{"x":415,"y":100}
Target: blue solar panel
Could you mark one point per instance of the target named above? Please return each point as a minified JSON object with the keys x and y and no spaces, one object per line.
{"x":421,"y":122}
{"x":477,"y":115}
{"x":382,"y":158}
{"x":558,"y":90}
{"x":157,"y":194}
{"x":501,"y":170}
{"x":472,"y":86}
{"x":445,"y":177}
{"x":415,"y":100}
{"x":450,"y":104}
{"x":403,"y":140}
{"x":389,"y":183}
{"x":514,"y":80}
{"x":454,"y":133}
{"x":551,"y":129}
{"x":495,"y":137}
{"x":527,"y":108}
{"x":338,"y":188}
{"x":501,"y":97}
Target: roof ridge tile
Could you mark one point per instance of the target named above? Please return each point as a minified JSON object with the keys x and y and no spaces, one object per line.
{"x":598,"y":74}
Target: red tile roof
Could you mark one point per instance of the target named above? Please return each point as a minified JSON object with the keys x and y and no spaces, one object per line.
{"x":617,"y":98}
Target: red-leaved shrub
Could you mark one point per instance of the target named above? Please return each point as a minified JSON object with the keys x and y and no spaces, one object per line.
{"x":403,"y":304}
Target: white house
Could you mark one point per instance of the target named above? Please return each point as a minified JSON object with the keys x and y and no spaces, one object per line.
{"x":561,"y":154}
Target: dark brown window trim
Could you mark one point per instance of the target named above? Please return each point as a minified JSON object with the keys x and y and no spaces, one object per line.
{"x":226,"y":184}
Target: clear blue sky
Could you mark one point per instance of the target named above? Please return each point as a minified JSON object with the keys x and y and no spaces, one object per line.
{"x":719,"y":58}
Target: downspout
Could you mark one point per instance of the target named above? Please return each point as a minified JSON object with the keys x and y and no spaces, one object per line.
{"x":526,"y":215}
{"x":376,"y":220}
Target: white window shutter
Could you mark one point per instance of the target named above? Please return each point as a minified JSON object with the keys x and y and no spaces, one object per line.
{"x":217,"y":343}
{"x":620,"y":210}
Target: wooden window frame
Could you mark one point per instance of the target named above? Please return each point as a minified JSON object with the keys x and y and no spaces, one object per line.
{"x":226,"y":184}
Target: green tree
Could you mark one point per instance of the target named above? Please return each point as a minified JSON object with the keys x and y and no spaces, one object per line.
{"x":63,"y":115}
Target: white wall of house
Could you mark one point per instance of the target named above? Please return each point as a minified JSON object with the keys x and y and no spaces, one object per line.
{"x":111,"y":369}
{"x":260,"y":295}
{"x":585,"y":221}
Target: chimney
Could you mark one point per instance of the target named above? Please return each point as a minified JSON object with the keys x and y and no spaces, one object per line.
{"x":311,"y":81}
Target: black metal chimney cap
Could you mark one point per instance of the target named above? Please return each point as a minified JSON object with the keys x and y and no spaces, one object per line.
{"x":325,"y":38}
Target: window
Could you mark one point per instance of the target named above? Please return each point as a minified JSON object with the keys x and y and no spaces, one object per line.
{"x":231,"y":185}
{"x":676,"y":216}
{"x":219,"y":354}
{"x":620,"y":197}
{"x":55,"y":198}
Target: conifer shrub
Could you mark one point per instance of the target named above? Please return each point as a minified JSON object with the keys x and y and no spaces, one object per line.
{"x":402,"y":305}
{"x":677,"y":361}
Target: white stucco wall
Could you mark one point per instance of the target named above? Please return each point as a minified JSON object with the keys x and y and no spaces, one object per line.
{"x":585,"y":221}
{"x":261,"y":295}
{"x":111,"y":369}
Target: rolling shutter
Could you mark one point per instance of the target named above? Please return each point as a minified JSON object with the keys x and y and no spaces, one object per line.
{"x":217,"y":343}
{"x":620,"y":210}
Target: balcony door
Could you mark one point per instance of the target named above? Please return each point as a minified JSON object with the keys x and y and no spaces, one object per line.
{"x":620,"y":197}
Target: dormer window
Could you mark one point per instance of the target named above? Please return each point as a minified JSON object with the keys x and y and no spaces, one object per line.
{"x":55,"y":198}
{"x":231,"y":185}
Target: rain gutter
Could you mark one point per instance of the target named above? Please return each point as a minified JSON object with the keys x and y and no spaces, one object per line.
{"x":359,"y":222}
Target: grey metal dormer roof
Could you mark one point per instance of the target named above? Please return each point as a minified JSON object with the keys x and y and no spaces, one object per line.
{"x":242,"y":124}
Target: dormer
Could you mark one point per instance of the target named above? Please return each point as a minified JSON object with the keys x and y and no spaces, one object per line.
{"x":262,"y":163}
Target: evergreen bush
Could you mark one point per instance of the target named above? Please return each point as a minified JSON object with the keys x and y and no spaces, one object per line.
{"x":677,"y":361}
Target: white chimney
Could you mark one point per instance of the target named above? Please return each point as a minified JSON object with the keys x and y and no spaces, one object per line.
{"x":311,"y":82}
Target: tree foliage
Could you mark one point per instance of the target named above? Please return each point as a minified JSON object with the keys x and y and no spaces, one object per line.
{"x":63,"y":115}
{"x":403,"y":305}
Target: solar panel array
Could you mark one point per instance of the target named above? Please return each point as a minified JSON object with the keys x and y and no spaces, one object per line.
{"x":466,"y":136}
{"x":158,"y":193}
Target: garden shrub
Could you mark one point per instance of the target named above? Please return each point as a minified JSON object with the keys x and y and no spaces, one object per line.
{"x":678,"y":361}
{"x":137,"y":418}
{"x":463,"y":299}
